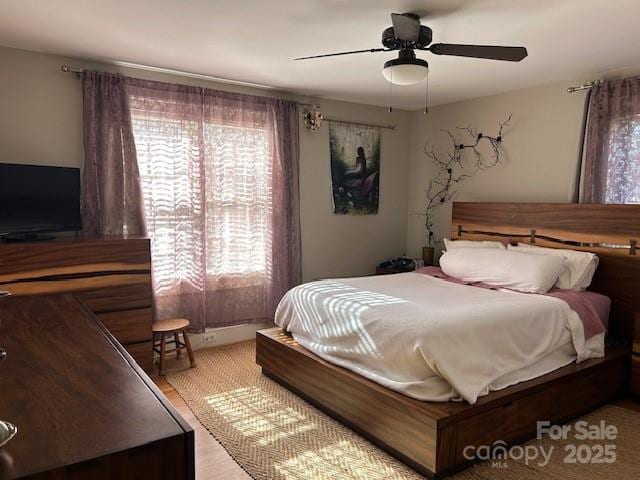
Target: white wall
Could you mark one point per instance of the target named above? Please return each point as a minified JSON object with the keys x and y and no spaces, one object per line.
{"x":542,"y":149}
{"x":347,"y":245}
{"x":40,"y":111}
{"x":41,"y":122}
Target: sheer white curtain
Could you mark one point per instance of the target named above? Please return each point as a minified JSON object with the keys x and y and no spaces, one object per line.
{"x":219,"y":178}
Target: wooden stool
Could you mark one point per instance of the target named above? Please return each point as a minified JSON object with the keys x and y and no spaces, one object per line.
{"x":172,"y":329}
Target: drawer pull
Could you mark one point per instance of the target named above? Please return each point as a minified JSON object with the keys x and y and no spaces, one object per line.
{"x":5,"y":293}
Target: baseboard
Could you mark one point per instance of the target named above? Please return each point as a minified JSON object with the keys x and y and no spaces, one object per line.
{"x":226,"y":335}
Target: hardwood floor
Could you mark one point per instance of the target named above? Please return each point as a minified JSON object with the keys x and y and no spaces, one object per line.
{"x":213,"y":462}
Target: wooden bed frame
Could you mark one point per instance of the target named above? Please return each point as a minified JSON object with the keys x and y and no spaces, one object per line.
{"x":431,"y":436}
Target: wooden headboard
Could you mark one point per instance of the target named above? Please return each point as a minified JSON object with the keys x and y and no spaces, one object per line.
{"x":610,"y":231}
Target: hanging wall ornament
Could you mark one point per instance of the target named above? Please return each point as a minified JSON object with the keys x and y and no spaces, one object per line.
{"x":453,"y":168}
{"x":312,"y":119}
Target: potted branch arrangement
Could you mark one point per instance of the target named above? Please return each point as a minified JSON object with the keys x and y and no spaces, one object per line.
{"x":452,"y":169}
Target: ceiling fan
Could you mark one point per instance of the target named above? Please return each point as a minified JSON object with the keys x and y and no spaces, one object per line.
{"x":407,"y":35}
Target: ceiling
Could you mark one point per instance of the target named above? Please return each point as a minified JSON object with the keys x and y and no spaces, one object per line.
{"x":255,"y":41}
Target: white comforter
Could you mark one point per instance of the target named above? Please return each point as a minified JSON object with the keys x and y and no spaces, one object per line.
{"x":431,"y":339}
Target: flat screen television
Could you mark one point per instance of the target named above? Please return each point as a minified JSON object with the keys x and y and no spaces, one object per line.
{"x":35,"y":199}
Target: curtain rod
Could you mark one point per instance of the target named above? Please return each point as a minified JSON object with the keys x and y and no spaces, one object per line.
{"x":584,"y":86}
{"x":370,"y":125}
{"x":79,"y":71}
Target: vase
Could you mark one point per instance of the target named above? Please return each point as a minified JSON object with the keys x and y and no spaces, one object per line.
{"x":428,"y":255}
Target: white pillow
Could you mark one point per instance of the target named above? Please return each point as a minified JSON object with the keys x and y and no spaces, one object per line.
{"x":524,"y":272}
{"x":451,"y":244}
{"x":579,"y":266}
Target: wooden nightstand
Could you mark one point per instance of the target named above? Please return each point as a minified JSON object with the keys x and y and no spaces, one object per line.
{"x":635,"y":358}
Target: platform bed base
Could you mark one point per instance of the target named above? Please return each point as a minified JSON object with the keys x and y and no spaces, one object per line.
{"x":430,"y":436}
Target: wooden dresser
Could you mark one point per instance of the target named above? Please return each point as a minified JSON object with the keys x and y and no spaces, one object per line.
{"x":84,"y":409}
{"x":111,"y":275}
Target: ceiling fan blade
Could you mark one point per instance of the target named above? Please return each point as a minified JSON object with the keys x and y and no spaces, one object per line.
{"x":405,"y":27}
{"x":509,"y":54}
{"x":369,"y":50}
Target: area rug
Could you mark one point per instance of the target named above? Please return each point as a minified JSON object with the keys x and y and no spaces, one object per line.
{"x":274,"y":435}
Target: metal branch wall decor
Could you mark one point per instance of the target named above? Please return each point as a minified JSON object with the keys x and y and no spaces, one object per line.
{"x":453,"y":169}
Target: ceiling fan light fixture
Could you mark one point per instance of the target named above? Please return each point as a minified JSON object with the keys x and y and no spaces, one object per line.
{"x":406,"y":69}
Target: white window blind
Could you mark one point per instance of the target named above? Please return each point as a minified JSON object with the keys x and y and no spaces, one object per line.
{"x":207,"y":199}
{"x":238,"y":162}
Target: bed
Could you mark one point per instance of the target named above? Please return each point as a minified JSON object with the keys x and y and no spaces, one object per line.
{"x":406,"y":331}
{"x":431,"y":435}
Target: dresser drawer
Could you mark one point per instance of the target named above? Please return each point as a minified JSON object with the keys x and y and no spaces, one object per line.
{"x":129,"y":326}
{"x":73,"y":285}
{"x":117,"y":298}
{"x":74,"y":265}
{"x":589,"y":390}
{"x":73,"y":258}
{"x":514,"y":420}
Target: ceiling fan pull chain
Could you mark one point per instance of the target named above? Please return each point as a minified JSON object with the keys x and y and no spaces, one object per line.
{"x":391,"y":93}
{"x":426,"y":95}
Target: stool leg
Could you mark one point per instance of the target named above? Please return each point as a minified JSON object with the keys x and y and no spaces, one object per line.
{"x":176,"y":338}
{"x":187,"y":344}
{"x":162,"y":351}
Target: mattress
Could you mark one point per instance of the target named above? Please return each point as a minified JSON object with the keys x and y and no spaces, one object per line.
{"x":434,"y":340}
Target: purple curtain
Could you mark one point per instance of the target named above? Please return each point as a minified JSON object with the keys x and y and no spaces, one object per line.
{"x":112,"y":203}
{"x":611,"y":166}
{"x":220,"y":179}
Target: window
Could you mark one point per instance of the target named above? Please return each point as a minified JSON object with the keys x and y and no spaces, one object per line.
{"x":611,"y":158}
{"x":167,"y":154}
{"x":623,"y":165}
{"x":219,"y":177}
{"x":239,"y":201}
{"x":207,"y":198}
